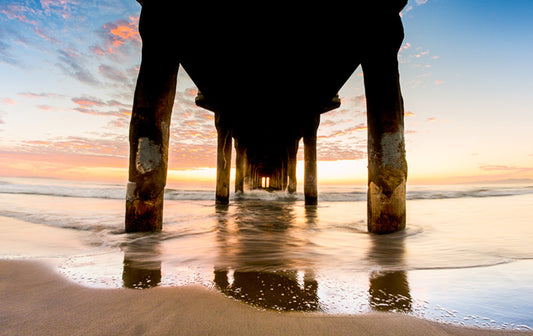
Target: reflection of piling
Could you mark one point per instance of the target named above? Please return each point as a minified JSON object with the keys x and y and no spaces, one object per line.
{"x":389,"y":291}
{"x":142,"y":264}
{"x":139,"y":275}
{"x":270,"y":290}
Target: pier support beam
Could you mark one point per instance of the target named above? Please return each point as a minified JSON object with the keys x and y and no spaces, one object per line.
{"x":149,"y":128}
{"x":387,"y":166}
{"x":223,"y":158}
{"x":291,"y":167}
{"x":310,"y":168}
{"x":240,"y":161}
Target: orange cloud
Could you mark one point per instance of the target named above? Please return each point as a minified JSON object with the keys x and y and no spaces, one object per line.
{"x":409,"y":114}
{"x":87,"y":102}
{"x":61,"y":165}
{"x":116,"y":34}
{"x":125,"y":31}
{"x":503,"y":168}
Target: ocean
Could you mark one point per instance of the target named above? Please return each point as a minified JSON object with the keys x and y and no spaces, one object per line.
{"x":466,"y":256}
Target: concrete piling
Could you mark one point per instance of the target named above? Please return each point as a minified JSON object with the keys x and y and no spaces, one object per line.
{"x":224,"y":141}
{"x":387,"y":166}
{"x":149,"y":133}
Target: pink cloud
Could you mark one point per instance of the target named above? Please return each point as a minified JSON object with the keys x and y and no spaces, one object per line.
{"x":46,"y":36}
{"x":60,"y":7}
{"x":45,"y":107}
{"x":9,"y":101}
{"x":18,"y":12}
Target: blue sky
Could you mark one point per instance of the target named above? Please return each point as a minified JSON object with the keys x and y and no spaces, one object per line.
{"x":68,"y":71}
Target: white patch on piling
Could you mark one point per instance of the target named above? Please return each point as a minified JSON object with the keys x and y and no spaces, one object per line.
{"x":148,"y":156}
{"x":392,"y":148}
{"x":130,"y":191}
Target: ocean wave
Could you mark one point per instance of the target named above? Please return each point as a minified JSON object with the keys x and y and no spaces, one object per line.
{"x":347,"y":194}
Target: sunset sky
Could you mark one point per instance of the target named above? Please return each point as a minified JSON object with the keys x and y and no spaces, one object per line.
{"x":68,"y":71}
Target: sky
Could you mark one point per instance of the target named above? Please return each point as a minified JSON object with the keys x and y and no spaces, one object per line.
{"x":68,"y":72}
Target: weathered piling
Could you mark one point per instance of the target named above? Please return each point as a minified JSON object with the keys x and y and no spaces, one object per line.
{"x":387,"y":166}
{"x":224,"y":141}
{"x":310,"y":167}
{"x":291,"y":167}
{"x":149,"y":130}
{"x":240,"y":162}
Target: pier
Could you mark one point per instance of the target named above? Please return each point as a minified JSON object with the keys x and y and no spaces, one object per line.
{"x":268,"y":77}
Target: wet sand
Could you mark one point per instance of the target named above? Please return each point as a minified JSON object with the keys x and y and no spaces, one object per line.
{"x":35,"y":300}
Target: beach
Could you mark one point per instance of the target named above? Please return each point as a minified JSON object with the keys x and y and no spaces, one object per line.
{"x":265,"y":264}
{"x":37,"y":301}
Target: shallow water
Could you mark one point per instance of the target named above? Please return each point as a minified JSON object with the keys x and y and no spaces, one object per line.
{"x":465,"y":258}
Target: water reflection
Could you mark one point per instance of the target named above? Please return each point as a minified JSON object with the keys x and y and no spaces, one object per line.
{"x":142,"y":261}
{"x":263,"y":255}
{"x":389,"y":289}
{"x":260,"y":269}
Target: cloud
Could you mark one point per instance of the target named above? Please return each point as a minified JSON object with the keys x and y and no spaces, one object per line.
{"x":117,"y":34}
{"x":63,"y":8}
{"x":18,"y":12}
{"x":85,"y":102}
{"x":46,"y":36}
{"x":336,"y":151}
{"x":45,"y":107}
{"x":5,"y":54}
{"x":358,"y":127}
{"x":98,"y":107}
{"x":72,"y":65}
{"x":408,"y":114}
{"x":113,"y":74}
{"x":504,"y":168}
{"x":56,"y":164}
{"x":33,"y":95}
{"x":77,"y":145}
{"x":8,"y":101}
{"x":192,"y":156}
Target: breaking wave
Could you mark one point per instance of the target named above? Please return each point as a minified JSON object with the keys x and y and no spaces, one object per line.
{"x":327,"y":194}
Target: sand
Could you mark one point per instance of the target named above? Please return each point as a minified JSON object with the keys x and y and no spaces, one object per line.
{"x":35,"y":300}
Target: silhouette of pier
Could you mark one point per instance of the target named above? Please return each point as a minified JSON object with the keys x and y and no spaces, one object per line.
{"x":268,"y":75}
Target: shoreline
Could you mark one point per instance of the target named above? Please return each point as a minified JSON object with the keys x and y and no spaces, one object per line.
{"x":38,"y":300}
